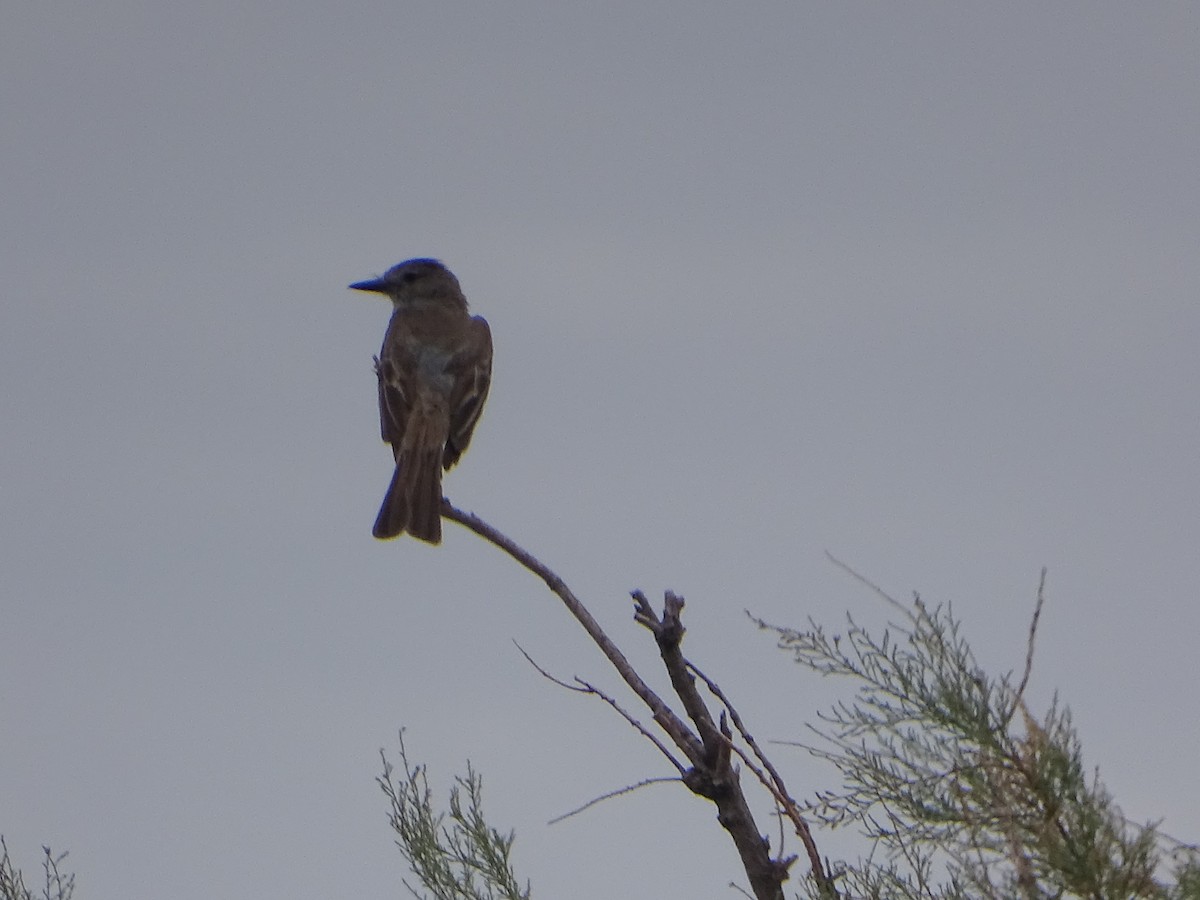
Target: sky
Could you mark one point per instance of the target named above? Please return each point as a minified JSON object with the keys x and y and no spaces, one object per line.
{"x":915,"y":285}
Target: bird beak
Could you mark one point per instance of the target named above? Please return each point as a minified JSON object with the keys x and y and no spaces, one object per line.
{"x":374,"y":284}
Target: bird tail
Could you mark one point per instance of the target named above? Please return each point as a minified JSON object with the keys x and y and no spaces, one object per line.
{"x":414,"y":498}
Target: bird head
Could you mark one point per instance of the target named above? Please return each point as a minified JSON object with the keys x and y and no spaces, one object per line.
{"x":414,"y":280}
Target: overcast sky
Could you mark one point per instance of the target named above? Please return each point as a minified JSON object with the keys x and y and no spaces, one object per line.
{"x":915,"y":284}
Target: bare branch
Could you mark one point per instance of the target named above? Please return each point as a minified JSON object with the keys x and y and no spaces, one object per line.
{"x":709,"y":751}
{"x":668,"y":633}
{"x":775,"y":785}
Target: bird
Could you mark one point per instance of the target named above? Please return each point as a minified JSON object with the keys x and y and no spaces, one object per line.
{"x":434,"y":371}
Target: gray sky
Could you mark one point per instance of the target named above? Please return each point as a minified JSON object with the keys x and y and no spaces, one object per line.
{"x":916,"y":284}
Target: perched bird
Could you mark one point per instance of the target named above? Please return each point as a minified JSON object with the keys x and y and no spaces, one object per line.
{"x":434,"y":371}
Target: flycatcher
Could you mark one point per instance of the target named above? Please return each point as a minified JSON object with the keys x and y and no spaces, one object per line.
{"x":434,"y":371}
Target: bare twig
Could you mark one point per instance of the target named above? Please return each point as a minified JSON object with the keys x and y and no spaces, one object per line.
{"x":1033,"y":626}
{"x":583,"y":687}
{"x":590,"y":689}
{"x":619,"y":792}
{"x":562,"y":684}
{"x":876,"y":589}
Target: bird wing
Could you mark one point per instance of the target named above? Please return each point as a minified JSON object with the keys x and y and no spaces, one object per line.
{"x":393,"y":406}
{"x":471,"y":367}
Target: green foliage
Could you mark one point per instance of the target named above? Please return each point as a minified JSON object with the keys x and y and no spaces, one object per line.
{"x":960,"y":789}
{"x":58,"y":885}
{"x":459,"y":859}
